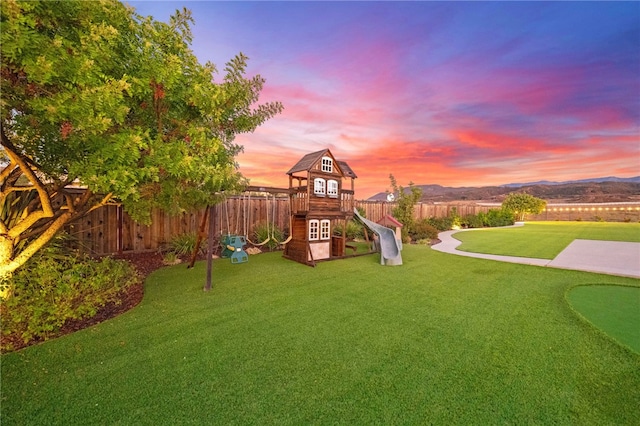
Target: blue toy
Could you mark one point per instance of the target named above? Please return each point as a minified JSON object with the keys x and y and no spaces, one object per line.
{"x":233,"y":248}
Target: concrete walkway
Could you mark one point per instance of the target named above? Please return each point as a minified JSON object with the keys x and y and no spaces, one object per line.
{"x":606,"y":257}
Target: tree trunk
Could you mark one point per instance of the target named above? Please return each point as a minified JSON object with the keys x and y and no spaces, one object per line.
{"x":9,"y":263}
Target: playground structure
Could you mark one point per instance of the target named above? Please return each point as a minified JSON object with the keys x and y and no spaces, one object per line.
{"x":389,"y":241}
{"x":319,"y":201}
{"x":233,"y":244}
{"x":321,"y":194}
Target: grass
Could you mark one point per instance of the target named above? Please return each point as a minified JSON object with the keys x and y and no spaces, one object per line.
{"x":442,"y":339}
{"x":613,"y":309}
{"x":543,"y":240}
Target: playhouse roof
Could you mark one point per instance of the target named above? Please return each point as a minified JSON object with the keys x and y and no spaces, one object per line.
{"x":389,"y":220}
{"x":346,"y":169}
{"x":309,"y":160}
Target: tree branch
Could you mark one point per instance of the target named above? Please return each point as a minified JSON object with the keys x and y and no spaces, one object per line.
{"x":39,"y":242}
{"x":103,"y":202}
{"x":45,"y":201}
{"x":4,"y":173}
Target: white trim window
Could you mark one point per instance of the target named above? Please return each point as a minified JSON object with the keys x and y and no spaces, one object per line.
{"x":319,"y":186}
{"x":332,"y":188}
{"x":325,"y":229}
{"x":313,"y":229}
{"x":327,"y":164}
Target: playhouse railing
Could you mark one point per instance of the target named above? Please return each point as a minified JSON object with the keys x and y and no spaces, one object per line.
{"x":300,"y":201}
{"x":347,"y":201}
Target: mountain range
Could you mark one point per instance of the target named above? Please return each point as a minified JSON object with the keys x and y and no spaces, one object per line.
{"x":595,"y":190}
{"x":635,"y":179}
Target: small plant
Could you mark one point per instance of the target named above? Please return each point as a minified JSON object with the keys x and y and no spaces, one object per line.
{"x":424,"y":242}
{"x":265,"y":231}
{"x":354,"y":230}
{"x":184,"y":244}
{"x":170,"y":258}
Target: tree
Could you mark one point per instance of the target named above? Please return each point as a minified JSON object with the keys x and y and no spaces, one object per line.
{"x":406,"y":199}
{"x":99,"y":104}
{"x":521,"y":204}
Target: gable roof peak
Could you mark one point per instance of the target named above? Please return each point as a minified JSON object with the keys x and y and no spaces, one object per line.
{"x":309,"y":160}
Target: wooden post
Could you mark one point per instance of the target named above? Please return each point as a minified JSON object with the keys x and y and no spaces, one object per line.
{"x":207,"y":285}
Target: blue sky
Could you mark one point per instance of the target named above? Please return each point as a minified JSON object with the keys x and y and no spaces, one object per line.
{"x":450,"y":93}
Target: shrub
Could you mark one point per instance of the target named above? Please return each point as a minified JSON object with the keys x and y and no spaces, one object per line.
{"x":265,"y":230}
{"x":354,"y":230}
{"x":53,"y":287}
{"x":170,"y":258}
{"x":184,"y":244}
{"x":456,"y":221}
{"x":441,"y":223}
{"x":473,"y":221}
{"x":501,"y":217}
{"x":423,"y":230}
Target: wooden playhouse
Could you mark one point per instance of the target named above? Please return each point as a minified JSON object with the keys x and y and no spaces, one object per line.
{"x":321,"y":193}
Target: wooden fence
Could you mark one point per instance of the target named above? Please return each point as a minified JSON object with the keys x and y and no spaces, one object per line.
{"x":110,"y":230}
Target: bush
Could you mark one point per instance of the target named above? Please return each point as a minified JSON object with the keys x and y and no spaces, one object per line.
{"x":184,"y":244}
{"x":473,"y":221}
{"x":53,"y":287}
{"x":440,"y":223}
{"x":492,"y":218}
{"x":354,"y":230}
{"x":501,"y":217}
{"x":265,"y":231}
{"x":423,"y":230}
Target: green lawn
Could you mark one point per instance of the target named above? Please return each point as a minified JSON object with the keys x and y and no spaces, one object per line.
{"x":443,"y":339}
{"x":543,"y":240}
{"x":614,"y":309}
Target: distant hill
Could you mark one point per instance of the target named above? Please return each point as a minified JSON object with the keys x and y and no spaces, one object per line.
{"x":593,"y":180}
{"x":597,"y":190}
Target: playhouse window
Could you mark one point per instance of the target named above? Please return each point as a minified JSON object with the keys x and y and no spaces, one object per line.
{"x":319,"y":186}
{"x":332,"y":188}
{"x":325,"y":229}
{"x":313,"y":229}
{"x":327,"y":164}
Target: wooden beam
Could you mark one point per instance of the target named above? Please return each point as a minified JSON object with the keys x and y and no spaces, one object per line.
{"x":268,"y":189}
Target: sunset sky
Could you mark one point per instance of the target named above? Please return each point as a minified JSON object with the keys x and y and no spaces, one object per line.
{"x":449,"y":93}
